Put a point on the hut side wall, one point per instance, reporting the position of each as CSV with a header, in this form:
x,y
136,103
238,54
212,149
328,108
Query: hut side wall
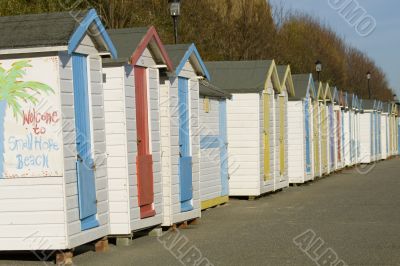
x,y
210,161
244,145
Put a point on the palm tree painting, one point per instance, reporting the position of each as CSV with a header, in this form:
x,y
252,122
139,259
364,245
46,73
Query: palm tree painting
x,y
14,91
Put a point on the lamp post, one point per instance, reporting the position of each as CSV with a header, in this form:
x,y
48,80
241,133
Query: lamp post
x,y
175,12
369,87
318,68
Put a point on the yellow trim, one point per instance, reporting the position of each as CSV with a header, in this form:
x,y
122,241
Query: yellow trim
x,y
282,134
267,166
214,202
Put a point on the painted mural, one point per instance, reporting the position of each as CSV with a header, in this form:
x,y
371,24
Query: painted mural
x,y
30,118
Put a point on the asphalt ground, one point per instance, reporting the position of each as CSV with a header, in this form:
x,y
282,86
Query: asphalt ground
x,y
347,218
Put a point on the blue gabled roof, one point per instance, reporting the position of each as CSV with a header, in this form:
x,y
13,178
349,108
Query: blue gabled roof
x,y
181,53
80,32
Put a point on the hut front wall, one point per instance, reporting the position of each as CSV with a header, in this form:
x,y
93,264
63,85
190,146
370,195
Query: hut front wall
x,y
153,84
296,145
170,147
76,236
244,144
210,159
32,201
116,143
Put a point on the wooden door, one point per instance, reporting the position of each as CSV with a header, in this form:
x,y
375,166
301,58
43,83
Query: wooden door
x,y
267,153
144,159
87,201
185,158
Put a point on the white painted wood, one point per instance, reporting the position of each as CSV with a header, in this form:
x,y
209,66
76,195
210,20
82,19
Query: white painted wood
x,y
121,145
296,142
365,139
170,147
210,157
41,213
243,140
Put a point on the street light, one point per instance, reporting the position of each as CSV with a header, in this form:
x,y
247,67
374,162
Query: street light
x,y
175,12
369,87
318,68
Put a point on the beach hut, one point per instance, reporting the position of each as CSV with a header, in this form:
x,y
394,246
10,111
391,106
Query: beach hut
x,y
378,123
253,161
131,101
352,98
394,129
214,179
386,110
337,95
53,173
358,110
180,139
324,128
317,130
367,124
300,130
346,129
330,125
281,113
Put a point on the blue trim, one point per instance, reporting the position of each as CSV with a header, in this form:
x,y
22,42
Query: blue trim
x,y
83,28
89,223
192,49
209,142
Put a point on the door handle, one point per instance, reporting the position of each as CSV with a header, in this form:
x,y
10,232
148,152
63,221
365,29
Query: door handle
x,y
138,141
79,158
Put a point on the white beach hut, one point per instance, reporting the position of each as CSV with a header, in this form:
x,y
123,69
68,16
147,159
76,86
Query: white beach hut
x,y
300,130
339,159
214,178
131,101
317,131
281,124
367,124
53,172
253,162
324,128
180,139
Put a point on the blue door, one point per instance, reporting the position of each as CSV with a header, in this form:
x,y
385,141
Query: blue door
x,y
308,141
84,163
223,148
185,158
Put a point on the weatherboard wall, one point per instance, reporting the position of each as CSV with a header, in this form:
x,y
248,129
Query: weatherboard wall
x,y
296,142
244,136
122,145
170,147
210,157
77,237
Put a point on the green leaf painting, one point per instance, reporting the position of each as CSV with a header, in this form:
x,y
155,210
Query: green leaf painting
x,y
14,91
